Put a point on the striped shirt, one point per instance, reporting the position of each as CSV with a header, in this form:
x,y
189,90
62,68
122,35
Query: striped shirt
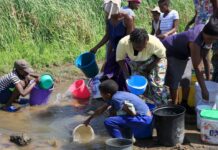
x,y
8,79
166,22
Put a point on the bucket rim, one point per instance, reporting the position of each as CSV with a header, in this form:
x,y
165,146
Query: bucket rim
x,y
76,64
169,106
112,139
138,87
38,87
73,84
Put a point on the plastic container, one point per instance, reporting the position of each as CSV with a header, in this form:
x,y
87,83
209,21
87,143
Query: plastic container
x,y
209,126
212,88
119,144
79,90
94,84
86,62
137,84
199,108
170,122
83,134
40,96
46,81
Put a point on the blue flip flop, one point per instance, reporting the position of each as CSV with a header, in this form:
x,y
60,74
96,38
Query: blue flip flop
x,y
11,109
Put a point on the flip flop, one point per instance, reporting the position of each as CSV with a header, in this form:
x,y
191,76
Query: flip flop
x,y
11,109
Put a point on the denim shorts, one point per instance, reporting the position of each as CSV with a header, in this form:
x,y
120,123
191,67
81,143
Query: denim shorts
x,y
6,94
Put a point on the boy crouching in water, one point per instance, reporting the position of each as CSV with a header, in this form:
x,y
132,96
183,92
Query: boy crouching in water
x,y
132,114
16,83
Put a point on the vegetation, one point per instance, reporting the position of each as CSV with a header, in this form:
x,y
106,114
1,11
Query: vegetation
x,y
53,32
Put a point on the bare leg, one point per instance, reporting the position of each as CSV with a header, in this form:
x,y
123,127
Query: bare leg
x,y
174,95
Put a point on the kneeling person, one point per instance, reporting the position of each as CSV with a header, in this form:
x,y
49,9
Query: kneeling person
x,y
16,83
136,117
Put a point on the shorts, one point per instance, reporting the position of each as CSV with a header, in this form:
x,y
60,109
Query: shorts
x,y
178,72
6,94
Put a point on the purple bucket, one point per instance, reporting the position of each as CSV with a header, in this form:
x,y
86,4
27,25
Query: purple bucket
x,y
39,96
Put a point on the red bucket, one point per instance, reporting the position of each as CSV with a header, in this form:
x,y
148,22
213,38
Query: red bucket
x,y
79,89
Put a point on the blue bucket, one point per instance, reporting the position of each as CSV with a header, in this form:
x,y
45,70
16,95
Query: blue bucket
x,y
86,62
137,84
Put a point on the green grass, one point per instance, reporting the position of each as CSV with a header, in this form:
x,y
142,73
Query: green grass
x,y
53,32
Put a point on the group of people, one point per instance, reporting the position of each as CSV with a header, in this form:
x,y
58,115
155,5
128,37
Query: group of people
x,y
166,58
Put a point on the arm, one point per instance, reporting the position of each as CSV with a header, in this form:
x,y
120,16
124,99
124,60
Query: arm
x,y
151,66
102,42
174,29
206,63
196,60
25,90
191,21
99,111
124,68
215,7
129,22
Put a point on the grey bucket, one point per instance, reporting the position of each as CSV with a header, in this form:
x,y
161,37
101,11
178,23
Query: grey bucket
x,y
119,144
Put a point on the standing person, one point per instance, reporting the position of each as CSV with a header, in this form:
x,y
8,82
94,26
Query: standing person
x,y
155,20
184,48
136,116
132,5
16,83
169,20
118,25
204,9
146,56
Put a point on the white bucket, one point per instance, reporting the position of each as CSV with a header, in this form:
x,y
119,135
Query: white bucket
x,y
209,131
212,88
199,108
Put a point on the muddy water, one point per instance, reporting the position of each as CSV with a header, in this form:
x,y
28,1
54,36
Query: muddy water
x,y
50,127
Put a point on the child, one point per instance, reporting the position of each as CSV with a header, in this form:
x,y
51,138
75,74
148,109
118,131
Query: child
x,y
15,83
132,5
156,20
137,114
169,20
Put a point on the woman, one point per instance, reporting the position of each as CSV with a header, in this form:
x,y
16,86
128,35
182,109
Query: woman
x,y
118,25
146,54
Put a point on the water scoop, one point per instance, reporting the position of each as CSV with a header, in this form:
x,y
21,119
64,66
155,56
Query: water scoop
x,y
83,134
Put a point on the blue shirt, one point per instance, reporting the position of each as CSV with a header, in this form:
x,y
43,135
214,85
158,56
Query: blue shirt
x,y
178,45
118,99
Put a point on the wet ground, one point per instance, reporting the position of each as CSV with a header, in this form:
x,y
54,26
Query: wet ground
x,y
50,127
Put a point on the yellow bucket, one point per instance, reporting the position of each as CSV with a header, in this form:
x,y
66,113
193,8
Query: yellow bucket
x,y
191,97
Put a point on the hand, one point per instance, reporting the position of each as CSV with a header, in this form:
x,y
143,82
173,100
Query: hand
x,y
205,95
93,50
86,122
37,80
162,36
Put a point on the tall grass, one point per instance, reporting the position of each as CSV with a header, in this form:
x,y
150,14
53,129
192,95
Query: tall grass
x,y
52,32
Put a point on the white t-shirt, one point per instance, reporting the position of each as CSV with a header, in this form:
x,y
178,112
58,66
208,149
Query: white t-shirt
x,y
166,23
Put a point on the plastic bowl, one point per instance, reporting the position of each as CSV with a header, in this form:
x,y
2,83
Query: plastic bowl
x,y
137,84
46,81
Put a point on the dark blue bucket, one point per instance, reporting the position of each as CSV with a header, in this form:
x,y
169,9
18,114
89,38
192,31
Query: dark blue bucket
x,y
86,62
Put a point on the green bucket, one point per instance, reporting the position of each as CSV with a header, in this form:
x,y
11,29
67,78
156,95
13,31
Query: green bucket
x,y
209,114
46,81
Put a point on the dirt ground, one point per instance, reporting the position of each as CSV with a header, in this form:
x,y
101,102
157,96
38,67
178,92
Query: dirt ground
x,y
68,73
192,139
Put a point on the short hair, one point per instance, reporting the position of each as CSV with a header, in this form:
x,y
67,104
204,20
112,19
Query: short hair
x,y
211,28
108,86
139,35
164,1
